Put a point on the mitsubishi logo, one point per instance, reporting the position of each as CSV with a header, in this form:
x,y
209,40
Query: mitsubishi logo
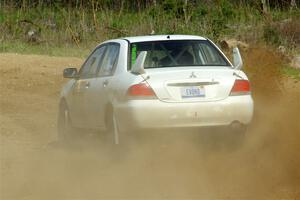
x,y
193,75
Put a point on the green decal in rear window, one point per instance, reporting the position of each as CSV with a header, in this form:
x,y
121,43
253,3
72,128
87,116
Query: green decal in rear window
x,y
133,54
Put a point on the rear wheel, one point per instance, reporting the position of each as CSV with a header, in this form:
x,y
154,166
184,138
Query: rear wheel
x,y
237,134
113,131
238,129
224,138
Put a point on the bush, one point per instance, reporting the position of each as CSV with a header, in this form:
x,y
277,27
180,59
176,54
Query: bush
x,y
271,35
289,31
285,32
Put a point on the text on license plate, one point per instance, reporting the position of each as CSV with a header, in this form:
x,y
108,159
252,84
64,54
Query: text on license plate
x,y
189,92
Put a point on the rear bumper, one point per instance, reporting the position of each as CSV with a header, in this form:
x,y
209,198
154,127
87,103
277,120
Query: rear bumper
x,y
136,114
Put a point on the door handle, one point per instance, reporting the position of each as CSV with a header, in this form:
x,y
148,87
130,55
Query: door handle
x,y
105,83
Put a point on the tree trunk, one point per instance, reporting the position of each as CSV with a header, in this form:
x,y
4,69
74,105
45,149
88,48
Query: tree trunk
x,y
264,6
154,2
293,4
185,11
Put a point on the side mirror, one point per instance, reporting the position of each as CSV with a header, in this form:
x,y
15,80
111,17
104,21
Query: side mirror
x,y
138,66
237,58
70,73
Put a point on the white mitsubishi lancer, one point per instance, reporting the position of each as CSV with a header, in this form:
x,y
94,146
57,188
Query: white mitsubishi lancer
x,y
157,81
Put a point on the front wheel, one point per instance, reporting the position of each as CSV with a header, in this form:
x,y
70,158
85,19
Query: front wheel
x,y
64,126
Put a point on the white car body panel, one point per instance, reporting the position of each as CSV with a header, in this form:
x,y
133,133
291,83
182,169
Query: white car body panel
x,y
156,114
88,106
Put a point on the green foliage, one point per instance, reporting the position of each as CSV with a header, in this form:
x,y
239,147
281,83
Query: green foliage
x,y
228,11
291,72
200,11
285,32
64,23
172,6
271,35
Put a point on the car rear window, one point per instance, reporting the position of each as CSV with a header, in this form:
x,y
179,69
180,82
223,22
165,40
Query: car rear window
x,y
177,53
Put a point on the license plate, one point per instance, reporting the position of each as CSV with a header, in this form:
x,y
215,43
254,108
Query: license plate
x,y
190,92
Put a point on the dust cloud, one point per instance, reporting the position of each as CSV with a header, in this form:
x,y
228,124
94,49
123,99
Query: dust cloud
x,y
167,164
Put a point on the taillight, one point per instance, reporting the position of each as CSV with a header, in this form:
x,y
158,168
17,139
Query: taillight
x,y
240,87
141,90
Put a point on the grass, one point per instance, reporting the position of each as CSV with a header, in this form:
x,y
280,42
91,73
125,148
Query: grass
x,y
291,72
60,26
75,32
70,50
65,27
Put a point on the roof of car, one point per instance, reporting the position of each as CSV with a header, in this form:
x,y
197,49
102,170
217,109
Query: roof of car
x,y
148,38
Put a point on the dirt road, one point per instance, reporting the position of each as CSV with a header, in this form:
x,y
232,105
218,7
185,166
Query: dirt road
x,y
175,166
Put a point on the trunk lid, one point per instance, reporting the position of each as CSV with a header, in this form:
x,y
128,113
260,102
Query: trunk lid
x,y
186,84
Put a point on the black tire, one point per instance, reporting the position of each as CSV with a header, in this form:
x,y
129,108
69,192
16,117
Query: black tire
x,y
114,134
64,126
224,138
237,136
